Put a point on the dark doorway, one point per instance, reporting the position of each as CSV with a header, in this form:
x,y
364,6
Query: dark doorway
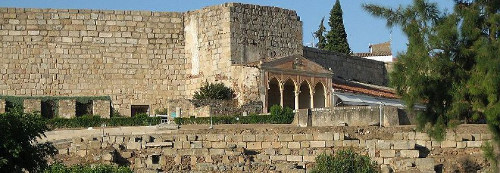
x,y
139,109
48,109
10,106
83,108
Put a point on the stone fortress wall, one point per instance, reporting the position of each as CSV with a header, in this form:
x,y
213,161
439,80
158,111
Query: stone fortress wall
x,y
136,57
348,67
278,148
139,57
148,58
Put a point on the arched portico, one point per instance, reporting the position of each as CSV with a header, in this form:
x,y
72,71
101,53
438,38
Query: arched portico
x,y
297,83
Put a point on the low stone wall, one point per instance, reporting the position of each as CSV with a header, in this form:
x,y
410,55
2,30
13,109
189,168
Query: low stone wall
x,y
354,116
32,105
67,108
280,148
205,108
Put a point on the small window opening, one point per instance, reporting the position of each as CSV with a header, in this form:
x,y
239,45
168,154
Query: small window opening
x,y
139,109
83,108
138,139
155,159
48,109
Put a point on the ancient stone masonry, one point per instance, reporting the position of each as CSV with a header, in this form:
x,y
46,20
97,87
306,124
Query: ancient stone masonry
x,y
141,57
66,108
350,67
32,105
102,108
277,149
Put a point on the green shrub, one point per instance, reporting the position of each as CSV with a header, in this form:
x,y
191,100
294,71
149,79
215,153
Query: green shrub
x,y
216,91
96,121
60,168
280,114
344,161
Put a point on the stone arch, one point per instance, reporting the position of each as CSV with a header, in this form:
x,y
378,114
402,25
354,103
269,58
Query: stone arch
x,y
273,93
289,94
319,97
305,95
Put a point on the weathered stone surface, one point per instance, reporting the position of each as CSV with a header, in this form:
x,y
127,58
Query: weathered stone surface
x,y
67,108
474,144
292,158
409,153
404,145
425,164
317,144
159,144
293,144
32,105
387,153
323,137
102,108
382,144
448,144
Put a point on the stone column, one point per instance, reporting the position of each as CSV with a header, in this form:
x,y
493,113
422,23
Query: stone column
x,y
67,108
297,100
2,106
32,105
281,96
102,108
312,98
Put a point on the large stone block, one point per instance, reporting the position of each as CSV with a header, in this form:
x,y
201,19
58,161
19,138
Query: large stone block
x,y
32,105
293,144
285,137
410,153
254,145
425,164
317,144
404,145
387,153
67,108
323,136
448,144
101,108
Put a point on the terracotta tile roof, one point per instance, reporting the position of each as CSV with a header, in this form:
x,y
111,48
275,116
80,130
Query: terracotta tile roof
x,y
359,88
380,49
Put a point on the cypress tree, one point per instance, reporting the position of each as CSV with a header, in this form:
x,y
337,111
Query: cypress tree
x,y
337,37
320,35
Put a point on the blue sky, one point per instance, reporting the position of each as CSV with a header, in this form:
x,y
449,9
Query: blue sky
x,y
362,28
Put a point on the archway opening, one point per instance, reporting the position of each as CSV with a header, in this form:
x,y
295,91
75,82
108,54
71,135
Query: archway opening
x,y
319,95
304,96
273,93
288,94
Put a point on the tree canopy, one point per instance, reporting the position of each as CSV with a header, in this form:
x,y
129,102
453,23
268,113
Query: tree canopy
x,y
452,62
19,150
